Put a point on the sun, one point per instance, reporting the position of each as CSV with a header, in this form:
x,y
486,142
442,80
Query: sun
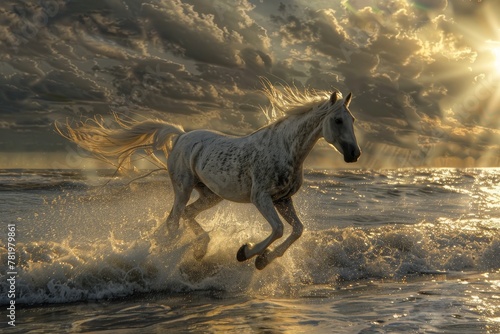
x,y
494,48
496,53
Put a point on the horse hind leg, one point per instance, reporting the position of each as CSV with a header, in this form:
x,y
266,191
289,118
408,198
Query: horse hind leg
x,y
182,193
207,200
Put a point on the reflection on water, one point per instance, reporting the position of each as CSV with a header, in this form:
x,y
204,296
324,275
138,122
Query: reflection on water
x,y
490,201
458,303
485,299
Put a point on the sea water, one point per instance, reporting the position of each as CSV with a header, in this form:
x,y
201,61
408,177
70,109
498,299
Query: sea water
x,y
393,251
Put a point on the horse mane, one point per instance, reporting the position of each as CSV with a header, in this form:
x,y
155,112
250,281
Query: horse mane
x,y
289,100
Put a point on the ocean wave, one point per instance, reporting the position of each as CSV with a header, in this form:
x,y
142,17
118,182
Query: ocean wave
x,y
50,180
70,271
43,186
451,226
39,179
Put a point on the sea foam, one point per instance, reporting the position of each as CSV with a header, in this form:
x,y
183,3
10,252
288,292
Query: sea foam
x,y
50,272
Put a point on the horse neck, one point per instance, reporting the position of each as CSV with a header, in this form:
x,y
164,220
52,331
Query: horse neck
x,y
301,132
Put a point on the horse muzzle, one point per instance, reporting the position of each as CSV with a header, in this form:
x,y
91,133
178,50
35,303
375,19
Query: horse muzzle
x,y
351,153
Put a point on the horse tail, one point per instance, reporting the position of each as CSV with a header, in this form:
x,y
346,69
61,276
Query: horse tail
x,y
123,138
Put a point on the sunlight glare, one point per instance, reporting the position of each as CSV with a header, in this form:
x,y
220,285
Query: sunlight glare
x,y
496,53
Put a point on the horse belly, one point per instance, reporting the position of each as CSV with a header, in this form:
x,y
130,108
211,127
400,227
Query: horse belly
x,y
227,186
228,180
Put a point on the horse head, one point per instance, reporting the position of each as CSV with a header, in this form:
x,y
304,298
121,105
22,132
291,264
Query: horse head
x,y
338,128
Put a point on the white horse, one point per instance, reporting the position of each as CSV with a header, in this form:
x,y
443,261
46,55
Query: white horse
x,y
264,168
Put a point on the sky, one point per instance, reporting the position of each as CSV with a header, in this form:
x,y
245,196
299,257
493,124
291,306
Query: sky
x,y
423,73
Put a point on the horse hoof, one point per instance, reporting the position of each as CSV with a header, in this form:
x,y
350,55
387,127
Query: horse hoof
x,y
241,255
159,233
199,254
200,251
262,260
201,247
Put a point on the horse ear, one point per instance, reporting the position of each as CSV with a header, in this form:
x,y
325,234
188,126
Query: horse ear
x,y
348,100
333,98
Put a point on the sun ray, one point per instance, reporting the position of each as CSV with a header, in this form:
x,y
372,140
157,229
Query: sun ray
x,y
496,53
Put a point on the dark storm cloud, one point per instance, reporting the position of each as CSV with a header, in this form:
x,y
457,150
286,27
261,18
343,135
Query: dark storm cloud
x,y
234,16
256,60
187,32
65,86
15,94
199,62
220,33
319,29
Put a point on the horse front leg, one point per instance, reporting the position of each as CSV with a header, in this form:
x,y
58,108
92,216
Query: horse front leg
x,y
287,211
265,205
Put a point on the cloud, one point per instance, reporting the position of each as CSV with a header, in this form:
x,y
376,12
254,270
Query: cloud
x,y
15,95
189,32
256,60
318,29
220,34
413,66
66,86
234,15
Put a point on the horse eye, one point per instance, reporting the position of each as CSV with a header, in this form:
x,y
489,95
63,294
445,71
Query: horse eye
x,y
338,121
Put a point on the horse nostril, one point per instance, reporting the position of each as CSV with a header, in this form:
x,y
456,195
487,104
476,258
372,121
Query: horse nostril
x,y
355,153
